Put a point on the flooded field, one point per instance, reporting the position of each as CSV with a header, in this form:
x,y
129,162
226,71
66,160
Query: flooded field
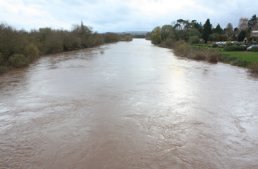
x,y
128,105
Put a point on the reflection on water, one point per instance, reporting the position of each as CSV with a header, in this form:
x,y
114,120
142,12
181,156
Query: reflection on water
x,y
128,105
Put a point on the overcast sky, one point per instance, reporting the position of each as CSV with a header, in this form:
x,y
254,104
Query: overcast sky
x,y
121,15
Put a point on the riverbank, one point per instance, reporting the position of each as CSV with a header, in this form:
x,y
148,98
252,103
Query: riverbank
x,y
23,63
240,58
19,48
246,59
183,49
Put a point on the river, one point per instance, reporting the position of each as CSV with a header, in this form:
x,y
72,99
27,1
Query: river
x,y
128,105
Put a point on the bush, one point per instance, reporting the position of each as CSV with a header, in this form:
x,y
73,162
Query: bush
x,y
31,51
199,55
235,47
194,40
111,37
214,45
185,50
212,56
254,68
182,49
71,43
3,69
1,59
53,44
156,36
126,38
168,43
18,60
233,60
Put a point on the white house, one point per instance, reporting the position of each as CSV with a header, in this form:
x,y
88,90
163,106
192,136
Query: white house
x,y
254,34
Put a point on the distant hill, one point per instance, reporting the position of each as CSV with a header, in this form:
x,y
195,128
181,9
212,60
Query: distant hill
x,y
134,33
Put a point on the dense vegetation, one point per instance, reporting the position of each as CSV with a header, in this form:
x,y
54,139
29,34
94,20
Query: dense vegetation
x,y
195,40
18,48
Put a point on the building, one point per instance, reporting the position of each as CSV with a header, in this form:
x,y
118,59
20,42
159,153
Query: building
x,y
243,24
254,34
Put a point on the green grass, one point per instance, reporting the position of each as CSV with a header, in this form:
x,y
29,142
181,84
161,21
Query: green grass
x,y
201,46
246,59
240,58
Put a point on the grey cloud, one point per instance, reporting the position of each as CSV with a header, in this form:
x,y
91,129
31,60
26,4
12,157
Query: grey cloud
x,y
119,15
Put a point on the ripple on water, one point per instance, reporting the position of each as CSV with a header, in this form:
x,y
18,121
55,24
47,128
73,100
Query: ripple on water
x,y
128,105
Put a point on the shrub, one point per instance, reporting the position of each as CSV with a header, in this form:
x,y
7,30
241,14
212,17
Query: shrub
x,y
199,55
233,60
71,43
126,38
254,68
168,43
194,39
185,50
182,49
18,60
53,44
235,47
31,51
214,45
212,56
1,59
111,37
156,36
3,69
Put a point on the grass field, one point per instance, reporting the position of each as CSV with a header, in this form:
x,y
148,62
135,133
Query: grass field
x,y
241,58
238,58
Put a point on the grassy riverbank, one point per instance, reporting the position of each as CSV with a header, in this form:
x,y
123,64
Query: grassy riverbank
x,y
184,49
19,48
241,58
206,52
194,40
247,59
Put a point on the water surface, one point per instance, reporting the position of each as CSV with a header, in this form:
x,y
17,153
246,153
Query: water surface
x,y
128,105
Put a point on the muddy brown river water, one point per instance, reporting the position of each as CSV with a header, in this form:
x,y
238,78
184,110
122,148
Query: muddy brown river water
x,y
128,105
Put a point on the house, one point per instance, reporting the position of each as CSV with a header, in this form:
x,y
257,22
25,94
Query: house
x,y
254,35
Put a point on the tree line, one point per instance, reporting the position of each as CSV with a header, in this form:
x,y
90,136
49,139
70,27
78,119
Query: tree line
x,y
18,48
196,32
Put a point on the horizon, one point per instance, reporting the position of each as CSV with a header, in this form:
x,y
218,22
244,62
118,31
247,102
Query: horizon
x,y
119,16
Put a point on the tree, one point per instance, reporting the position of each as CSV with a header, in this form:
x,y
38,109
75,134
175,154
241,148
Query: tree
x,y
193,35
19,48
167,31
197,26
155,35
84,33
180,24
236,32
207,30
218,29
1,59
241,36
31,51
252,23
229,31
